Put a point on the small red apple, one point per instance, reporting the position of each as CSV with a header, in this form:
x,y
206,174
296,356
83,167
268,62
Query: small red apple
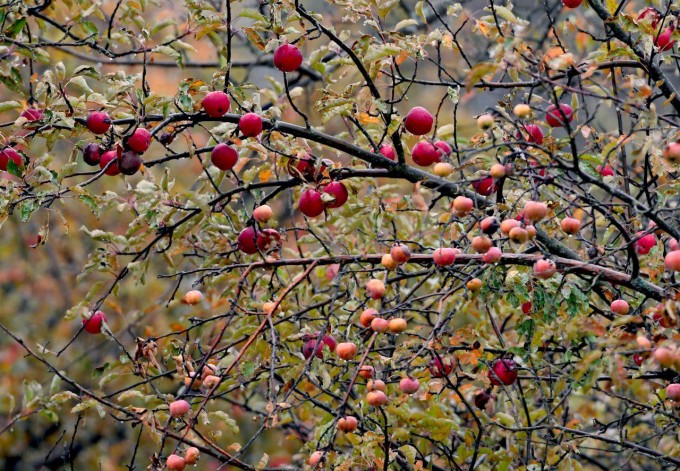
x,y
555,116
346,350
287,58
493,255
179,408
224,157
400,253
444,257
98,122
250,124
418,121
104,160
503,371
672,261
216,104
409,385
544,268
93,325
311,204
338,191
247,240
620,306
139,141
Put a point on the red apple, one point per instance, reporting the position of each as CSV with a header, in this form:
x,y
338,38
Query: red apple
x,y
409,385
570,225
338,191
620,306
418,121
250,124
93,325
672,261
503,371
485,186
247,240
139,141
9,153
544,268
311,204
179,408
224,156
287,58
493,255
644,243
216,104
555,116
424,153
98,122
400,253
444,257
346,350
104,160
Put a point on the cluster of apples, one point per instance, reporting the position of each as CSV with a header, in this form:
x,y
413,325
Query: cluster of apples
x,y
663,36
253,239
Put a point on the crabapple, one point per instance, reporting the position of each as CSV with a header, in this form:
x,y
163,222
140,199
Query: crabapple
x,y
672,261
493,255
485,121
346,350
130,162
439,369
315,458
444,257
400,253
482,398
503,371
223,156
481,244
518,235
463,205
375,289
443,147
418,121
605,171
247,240
179,408
533,134
250,124
338,191
191,455
210,381
522,111
348,424
216,104
367,317
175,463
570,225
287,58
193,297
526,307
397,325
485,186
620,306
388,151
489,225
544,268
139,141
535,211
91,154
474,284
110,156
664,357
555,116
673,392
644,243
663,41
388,262
375,385
409,385
311,204
98,122
442,169
263,213
380,325
93,325
424,153
268,239
367,372
32,114
497,171
671,152
376,398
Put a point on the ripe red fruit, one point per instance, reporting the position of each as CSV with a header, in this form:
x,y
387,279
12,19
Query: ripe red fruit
x,y
571,3
503,371
224,156
130,162
380,325
250,124
638,358
605,171
620,306
672,261
311,204
263,213
376,398
489,225
570,225
462,205
493,255
400,253
388,151
8,153
104,160
375,289
367,317
532,134
671,152
485,186
673,244
663,41
32,114
535,211
93,325
348,424
315,458
339,191
544,268
268,239
673,392
397,325
91,154
375,385
247,240
409,385
554,117
330,342
526,307
444,148
481,244
664,357
287,58
444,257
179,408
216,104
424,153
166,138
346,350
139,141
439,369
191,455
367,372
313,347
644,243
306,167
98,122
175,463
418,121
